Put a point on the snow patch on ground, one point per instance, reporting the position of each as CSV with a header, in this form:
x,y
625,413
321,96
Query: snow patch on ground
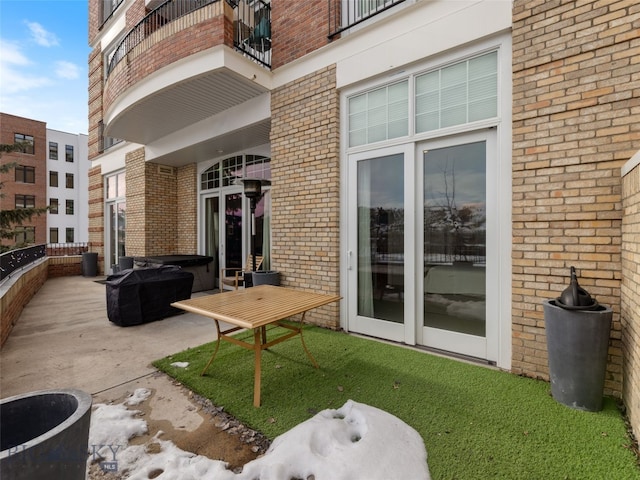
x,y
356,441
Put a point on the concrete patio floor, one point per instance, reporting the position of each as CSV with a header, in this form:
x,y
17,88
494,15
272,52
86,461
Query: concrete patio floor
x,y
64,339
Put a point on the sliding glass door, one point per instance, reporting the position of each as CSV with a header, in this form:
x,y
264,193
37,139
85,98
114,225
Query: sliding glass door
x,y
421,250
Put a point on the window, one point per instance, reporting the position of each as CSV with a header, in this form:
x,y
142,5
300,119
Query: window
x,y
116,186
69,238
53,235
68,153
69,209
69,180
210,178
26,141
461,93
25,201
53,151
380,114
53,205
25,235
25,174
53,179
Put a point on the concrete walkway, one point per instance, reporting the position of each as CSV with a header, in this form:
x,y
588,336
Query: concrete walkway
x,y
63,339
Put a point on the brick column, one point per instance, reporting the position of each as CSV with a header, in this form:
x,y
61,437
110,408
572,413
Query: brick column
x,y
305,171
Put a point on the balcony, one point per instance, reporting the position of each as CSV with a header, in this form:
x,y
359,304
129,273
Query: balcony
x,y
345,14
184,67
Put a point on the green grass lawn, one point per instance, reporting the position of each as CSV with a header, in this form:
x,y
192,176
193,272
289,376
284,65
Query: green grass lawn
x,y
476,422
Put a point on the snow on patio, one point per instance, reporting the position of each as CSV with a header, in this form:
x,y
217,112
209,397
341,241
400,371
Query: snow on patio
x,y
356,441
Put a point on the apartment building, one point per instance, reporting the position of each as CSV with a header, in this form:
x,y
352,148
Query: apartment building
x,y
438,164
67,187
51,171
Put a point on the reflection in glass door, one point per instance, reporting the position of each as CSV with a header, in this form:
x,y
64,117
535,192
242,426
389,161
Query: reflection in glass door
x,y
379,277
454,254
116,232
212,231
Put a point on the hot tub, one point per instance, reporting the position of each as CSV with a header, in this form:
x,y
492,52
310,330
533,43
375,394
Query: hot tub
x,y
201,266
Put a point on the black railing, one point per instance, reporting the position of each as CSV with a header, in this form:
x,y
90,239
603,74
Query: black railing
x,y
16,259
108,9
159,17
252,30
104,142
66,249
344,14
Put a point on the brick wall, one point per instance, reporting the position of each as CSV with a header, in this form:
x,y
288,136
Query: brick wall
x,y
187,209
152,211
18,295
96,82
576,118
96,215
305,171
66,266
630,308
294,36
9,126
193,33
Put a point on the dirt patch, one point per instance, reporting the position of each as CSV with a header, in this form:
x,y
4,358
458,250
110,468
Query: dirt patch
x,y
218,437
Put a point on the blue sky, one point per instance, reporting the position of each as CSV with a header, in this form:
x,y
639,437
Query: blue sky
x,y
43,62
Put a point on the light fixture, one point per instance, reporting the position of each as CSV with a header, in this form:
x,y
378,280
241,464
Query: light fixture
x,y
253,190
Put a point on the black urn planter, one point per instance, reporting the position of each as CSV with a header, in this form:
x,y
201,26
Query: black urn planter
x,y
44,435
577,346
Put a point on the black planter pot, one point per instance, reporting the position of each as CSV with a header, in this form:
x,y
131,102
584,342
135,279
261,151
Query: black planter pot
x,y
45,435
577,345
266,277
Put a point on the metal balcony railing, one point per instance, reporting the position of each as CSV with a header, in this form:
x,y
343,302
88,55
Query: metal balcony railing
x,y
344,14
252,29
166,13
20,257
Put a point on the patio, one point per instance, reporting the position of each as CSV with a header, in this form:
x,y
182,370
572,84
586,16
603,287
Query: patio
x,y
63,339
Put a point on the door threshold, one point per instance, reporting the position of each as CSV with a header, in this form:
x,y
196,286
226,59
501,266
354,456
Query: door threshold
x,y
434,351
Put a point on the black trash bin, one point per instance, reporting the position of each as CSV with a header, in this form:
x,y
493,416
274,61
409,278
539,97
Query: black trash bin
x,y
89,264
578,331
145,295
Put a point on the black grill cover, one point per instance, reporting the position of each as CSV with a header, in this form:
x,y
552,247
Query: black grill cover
x,y
144,295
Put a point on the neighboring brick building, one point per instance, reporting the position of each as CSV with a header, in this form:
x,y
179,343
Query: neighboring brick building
x,y
440,173
51,172
25,185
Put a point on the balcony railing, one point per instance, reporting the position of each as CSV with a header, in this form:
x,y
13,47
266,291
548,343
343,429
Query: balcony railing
x,y
252,29
166,13
17,259
344,14
105,143
20,257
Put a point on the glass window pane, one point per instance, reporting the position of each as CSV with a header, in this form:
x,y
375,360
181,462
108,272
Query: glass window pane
x,y
455,238
381,238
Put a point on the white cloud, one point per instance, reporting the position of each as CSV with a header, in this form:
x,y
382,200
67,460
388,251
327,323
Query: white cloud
x,y
12,79
41,36
11,54
67,70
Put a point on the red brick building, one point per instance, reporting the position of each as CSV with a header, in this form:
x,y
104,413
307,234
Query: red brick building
x,y
25,185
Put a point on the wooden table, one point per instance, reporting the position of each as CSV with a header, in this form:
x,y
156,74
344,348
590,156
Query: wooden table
x,y
254,308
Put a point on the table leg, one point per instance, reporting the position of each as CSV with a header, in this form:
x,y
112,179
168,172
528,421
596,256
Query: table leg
x,y
257,348
304,345
216,349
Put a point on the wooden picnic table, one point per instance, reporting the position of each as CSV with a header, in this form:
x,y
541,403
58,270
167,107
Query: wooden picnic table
x,y
254,309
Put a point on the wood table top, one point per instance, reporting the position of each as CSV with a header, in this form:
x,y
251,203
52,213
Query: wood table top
x,y
256,306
